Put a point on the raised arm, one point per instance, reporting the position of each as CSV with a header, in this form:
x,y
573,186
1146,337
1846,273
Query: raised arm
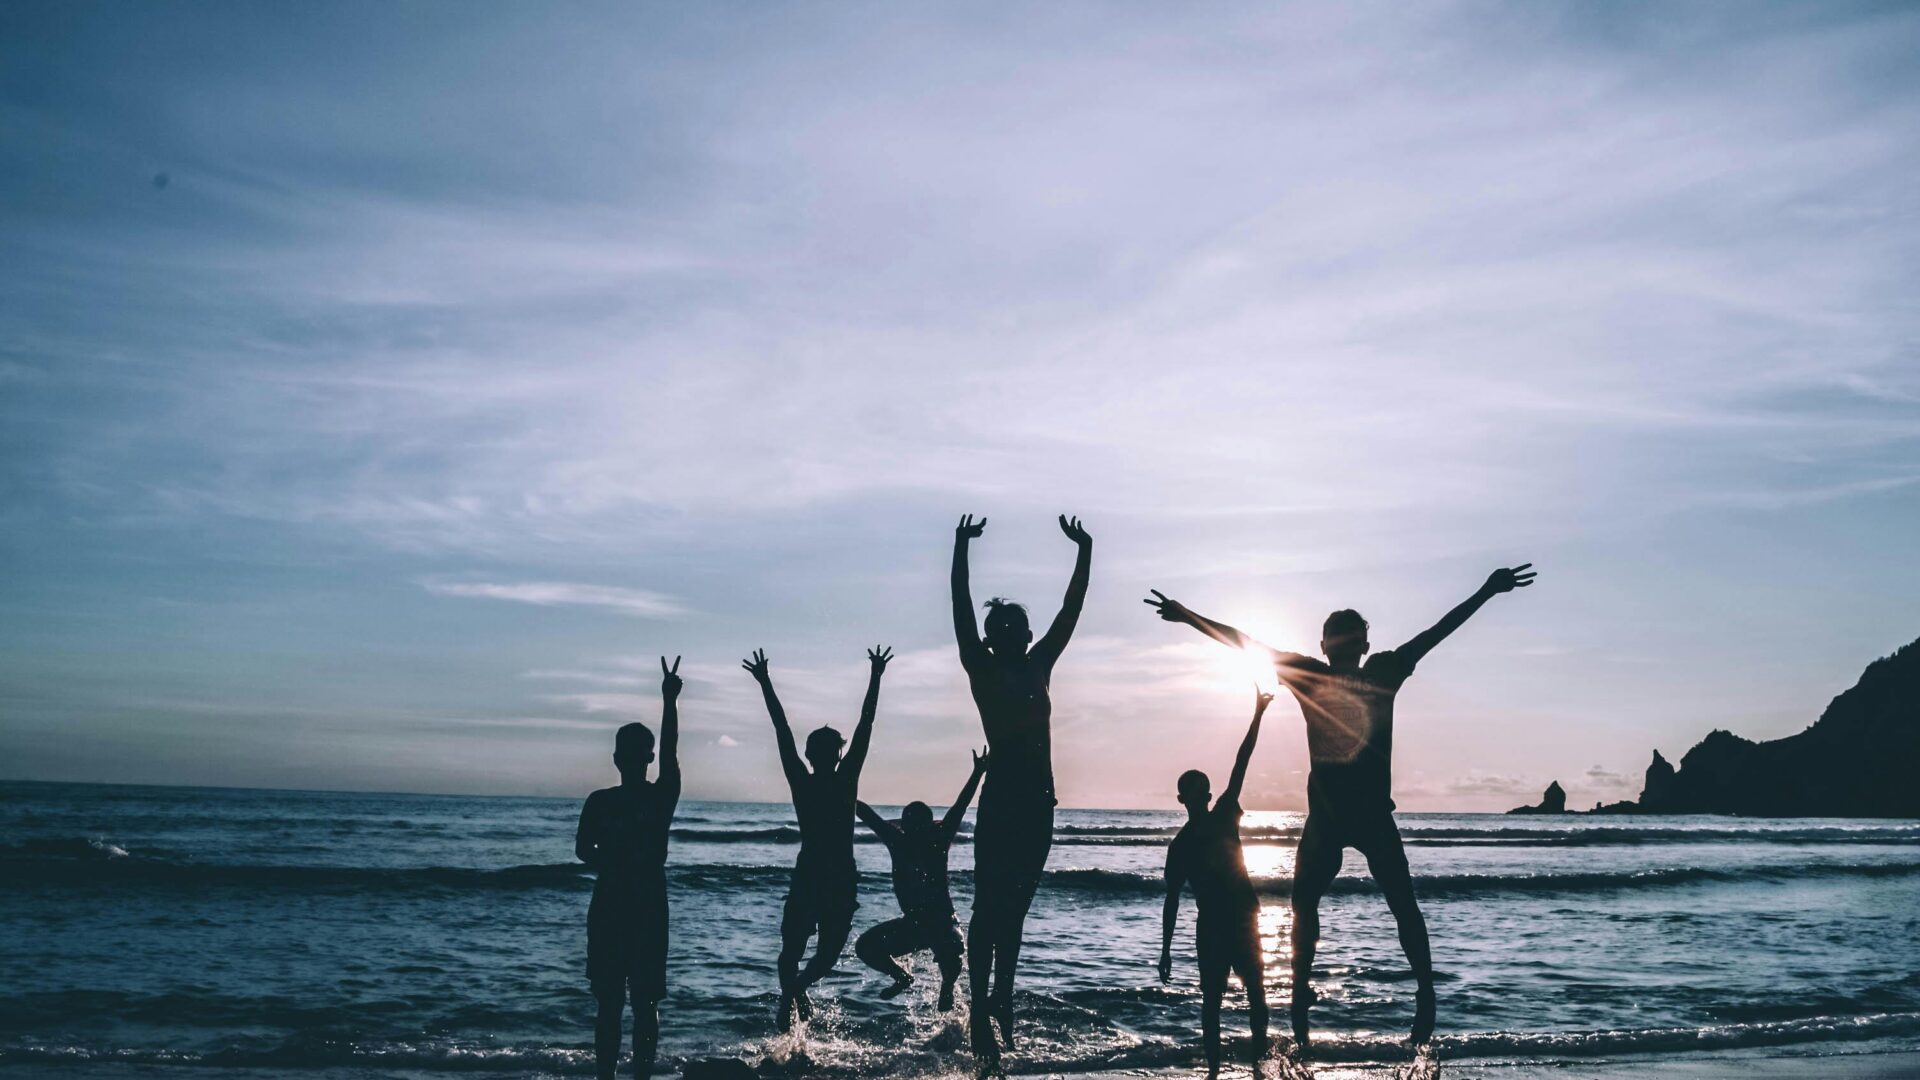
x,y
790,762
1170,911
856,757
965,630
1057,636
950,825
1175,612
1500,581
1261,700
670,684
886,830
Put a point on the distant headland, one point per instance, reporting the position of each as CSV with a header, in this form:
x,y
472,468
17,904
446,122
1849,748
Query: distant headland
x,y
1860,759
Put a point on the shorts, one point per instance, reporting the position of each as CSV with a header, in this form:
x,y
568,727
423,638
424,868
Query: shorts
x,y
818,907
1229,944
627,942
1010,848
1324,840
937,933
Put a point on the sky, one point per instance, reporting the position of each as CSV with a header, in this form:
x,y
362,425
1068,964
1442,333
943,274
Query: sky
x,y
383,388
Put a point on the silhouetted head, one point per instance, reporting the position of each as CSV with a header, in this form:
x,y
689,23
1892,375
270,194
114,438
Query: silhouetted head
x,y
823,749
916,819
1007,631
1344,637
1195,790
632,749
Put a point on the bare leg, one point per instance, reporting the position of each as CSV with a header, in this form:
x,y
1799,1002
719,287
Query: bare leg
x,y
875,949
646,1037
1210,1027
612,999
793,943
948,957
1389,867
1316,863
1255,981
982,932
826,950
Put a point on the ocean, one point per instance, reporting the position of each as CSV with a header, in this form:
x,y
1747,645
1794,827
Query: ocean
x,y
333,933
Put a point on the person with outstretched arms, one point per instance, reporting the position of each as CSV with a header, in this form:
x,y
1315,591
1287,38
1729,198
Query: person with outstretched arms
x,y
1347,702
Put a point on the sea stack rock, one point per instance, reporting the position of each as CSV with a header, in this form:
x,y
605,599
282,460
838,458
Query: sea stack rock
x,y
1552,801
1657,794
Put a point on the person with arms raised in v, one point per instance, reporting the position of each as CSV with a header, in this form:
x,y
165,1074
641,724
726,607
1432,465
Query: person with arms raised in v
x,y
1347,702
919,849
1206,854
822,895
623,838
1013,831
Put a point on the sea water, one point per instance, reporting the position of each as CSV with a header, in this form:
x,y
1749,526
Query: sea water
x,y
331,932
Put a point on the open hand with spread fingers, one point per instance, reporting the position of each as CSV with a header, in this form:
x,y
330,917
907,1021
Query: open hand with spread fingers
x,y
757,666
969,529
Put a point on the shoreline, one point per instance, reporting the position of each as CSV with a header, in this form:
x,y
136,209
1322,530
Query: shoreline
x,y
1887,1064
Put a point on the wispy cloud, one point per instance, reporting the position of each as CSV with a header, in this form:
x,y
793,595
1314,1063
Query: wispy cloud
x,y
640,602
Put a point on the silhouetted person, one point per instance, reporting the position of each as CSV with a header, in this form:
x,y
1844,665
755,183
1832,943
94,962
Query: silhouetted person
x,y
1348,705
919,848
1014,829
623,838
822,894
1226,935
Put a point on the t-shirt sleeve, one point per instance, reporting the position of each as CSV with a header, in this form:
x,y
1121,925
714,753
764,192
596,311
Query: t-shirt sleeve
x,y
1391,667
1290,666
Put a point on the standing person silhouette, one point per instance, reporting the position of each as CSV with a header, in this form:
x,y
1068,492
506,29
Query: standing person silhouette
x,y
919,850
822,894
1348,706
623,837
1014,830
1226,934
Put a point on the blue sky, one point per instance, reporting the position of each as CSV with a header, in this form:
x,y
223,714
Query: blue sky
x,y
382,388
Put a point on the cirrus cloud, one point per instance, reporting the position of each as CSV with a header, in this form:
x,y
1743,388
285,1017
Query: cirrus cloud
x,y
643,603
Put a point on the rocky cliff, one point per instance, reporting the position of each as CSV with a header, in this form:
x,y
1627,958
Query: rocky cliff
x,y
1860,759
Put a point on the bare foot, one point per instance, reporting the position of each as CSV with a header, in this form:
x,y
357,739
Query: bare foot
x,y
1303,999
1423,1018
900,986
1003,1015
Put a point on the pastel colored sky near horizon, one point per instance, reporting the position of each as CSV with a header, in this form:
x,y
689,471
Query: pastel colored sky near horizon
x,y
383,388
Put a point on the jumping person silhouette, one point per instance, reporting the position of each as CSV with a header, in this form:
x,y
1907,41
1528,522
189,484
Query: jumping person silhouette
x,y
919,849
1013,831
1226,935
623,838
1348,707
822,894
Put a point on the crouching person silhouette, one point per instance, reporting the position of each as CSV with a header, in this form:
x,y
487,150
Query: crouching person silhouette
x,y
623,838
1206,854
919,848
822,896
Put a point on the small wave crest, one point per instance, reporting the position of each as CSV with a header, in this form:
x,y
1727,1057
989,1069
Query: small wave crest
x,y
1054,1051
